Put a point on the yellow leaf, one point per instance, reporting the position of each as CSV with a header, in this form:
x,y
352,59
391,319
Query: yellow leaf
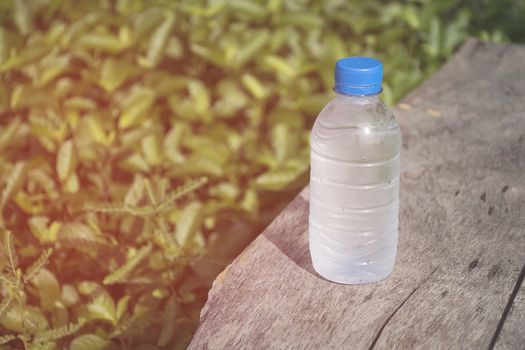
x,y
114,73
276,180
280,66
29,204
122,306
254,86
69,295
151,149
189,221
14,182
72,184
40,229
135,162
7,134
159,40
96,131
200,96
66,160
136,108
136,192
16,96
172,143
250,201
102,42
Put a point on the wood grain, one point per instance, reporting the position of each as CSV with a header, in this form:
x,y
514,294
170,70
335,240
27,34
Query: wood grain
x,y
458,280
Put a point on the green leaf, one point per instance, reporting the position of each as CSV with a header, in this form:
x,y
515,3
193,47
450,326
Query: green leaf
x,y
122,306
89,342
119,275
10,252
101,42
168,322
46,345
305,19
58,333
29,55
144,22
23,16
226,191
24,320
53,69
5,45
48,288
250,8
103,308
4,339
88,287
69,295
189,186
80,235
37,265
6,305
105,208
411,17
252,47
211,54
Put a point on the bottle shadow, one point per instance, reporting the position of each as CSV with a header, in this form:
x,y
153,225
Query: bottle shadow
x,y
289,233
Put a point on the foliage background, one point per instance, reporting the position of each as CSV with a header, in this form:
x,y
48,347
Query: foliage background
x,y
143,144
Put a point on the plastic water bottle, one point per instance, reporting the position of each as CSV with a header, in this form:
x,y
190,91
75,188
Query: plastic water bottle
x,y
354,179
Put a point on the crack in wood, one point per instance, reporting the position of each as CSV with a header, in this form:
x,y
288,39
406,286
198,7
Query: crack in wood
x,y
398,308
506,311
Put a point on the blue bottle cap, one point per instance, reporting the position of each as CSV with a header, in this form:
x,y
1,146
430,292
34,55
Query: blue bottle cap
x,y
358,75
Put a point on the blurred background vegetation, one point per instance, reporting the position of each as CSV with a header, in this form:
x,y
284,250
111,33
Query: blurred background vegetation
x,y
144,143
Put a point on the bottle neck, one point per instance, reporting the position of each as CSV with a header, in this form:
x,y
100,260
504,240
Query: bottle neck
x,y
358,99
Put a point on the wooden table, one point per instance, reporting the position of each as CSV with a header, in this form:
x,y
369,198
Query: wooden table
x,y
458,280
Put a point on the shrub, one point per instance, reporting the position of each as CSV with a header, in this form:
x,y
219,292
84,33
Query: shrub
x,y
144,143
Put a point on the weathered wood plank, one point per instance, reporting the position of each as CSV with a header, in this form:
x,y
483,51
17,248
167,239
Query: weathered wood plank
x,y
461,243
512,334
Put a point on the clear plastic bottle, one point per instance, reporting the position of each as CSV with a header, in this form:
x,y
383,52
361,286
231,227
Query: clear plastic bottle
x,y
354,179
